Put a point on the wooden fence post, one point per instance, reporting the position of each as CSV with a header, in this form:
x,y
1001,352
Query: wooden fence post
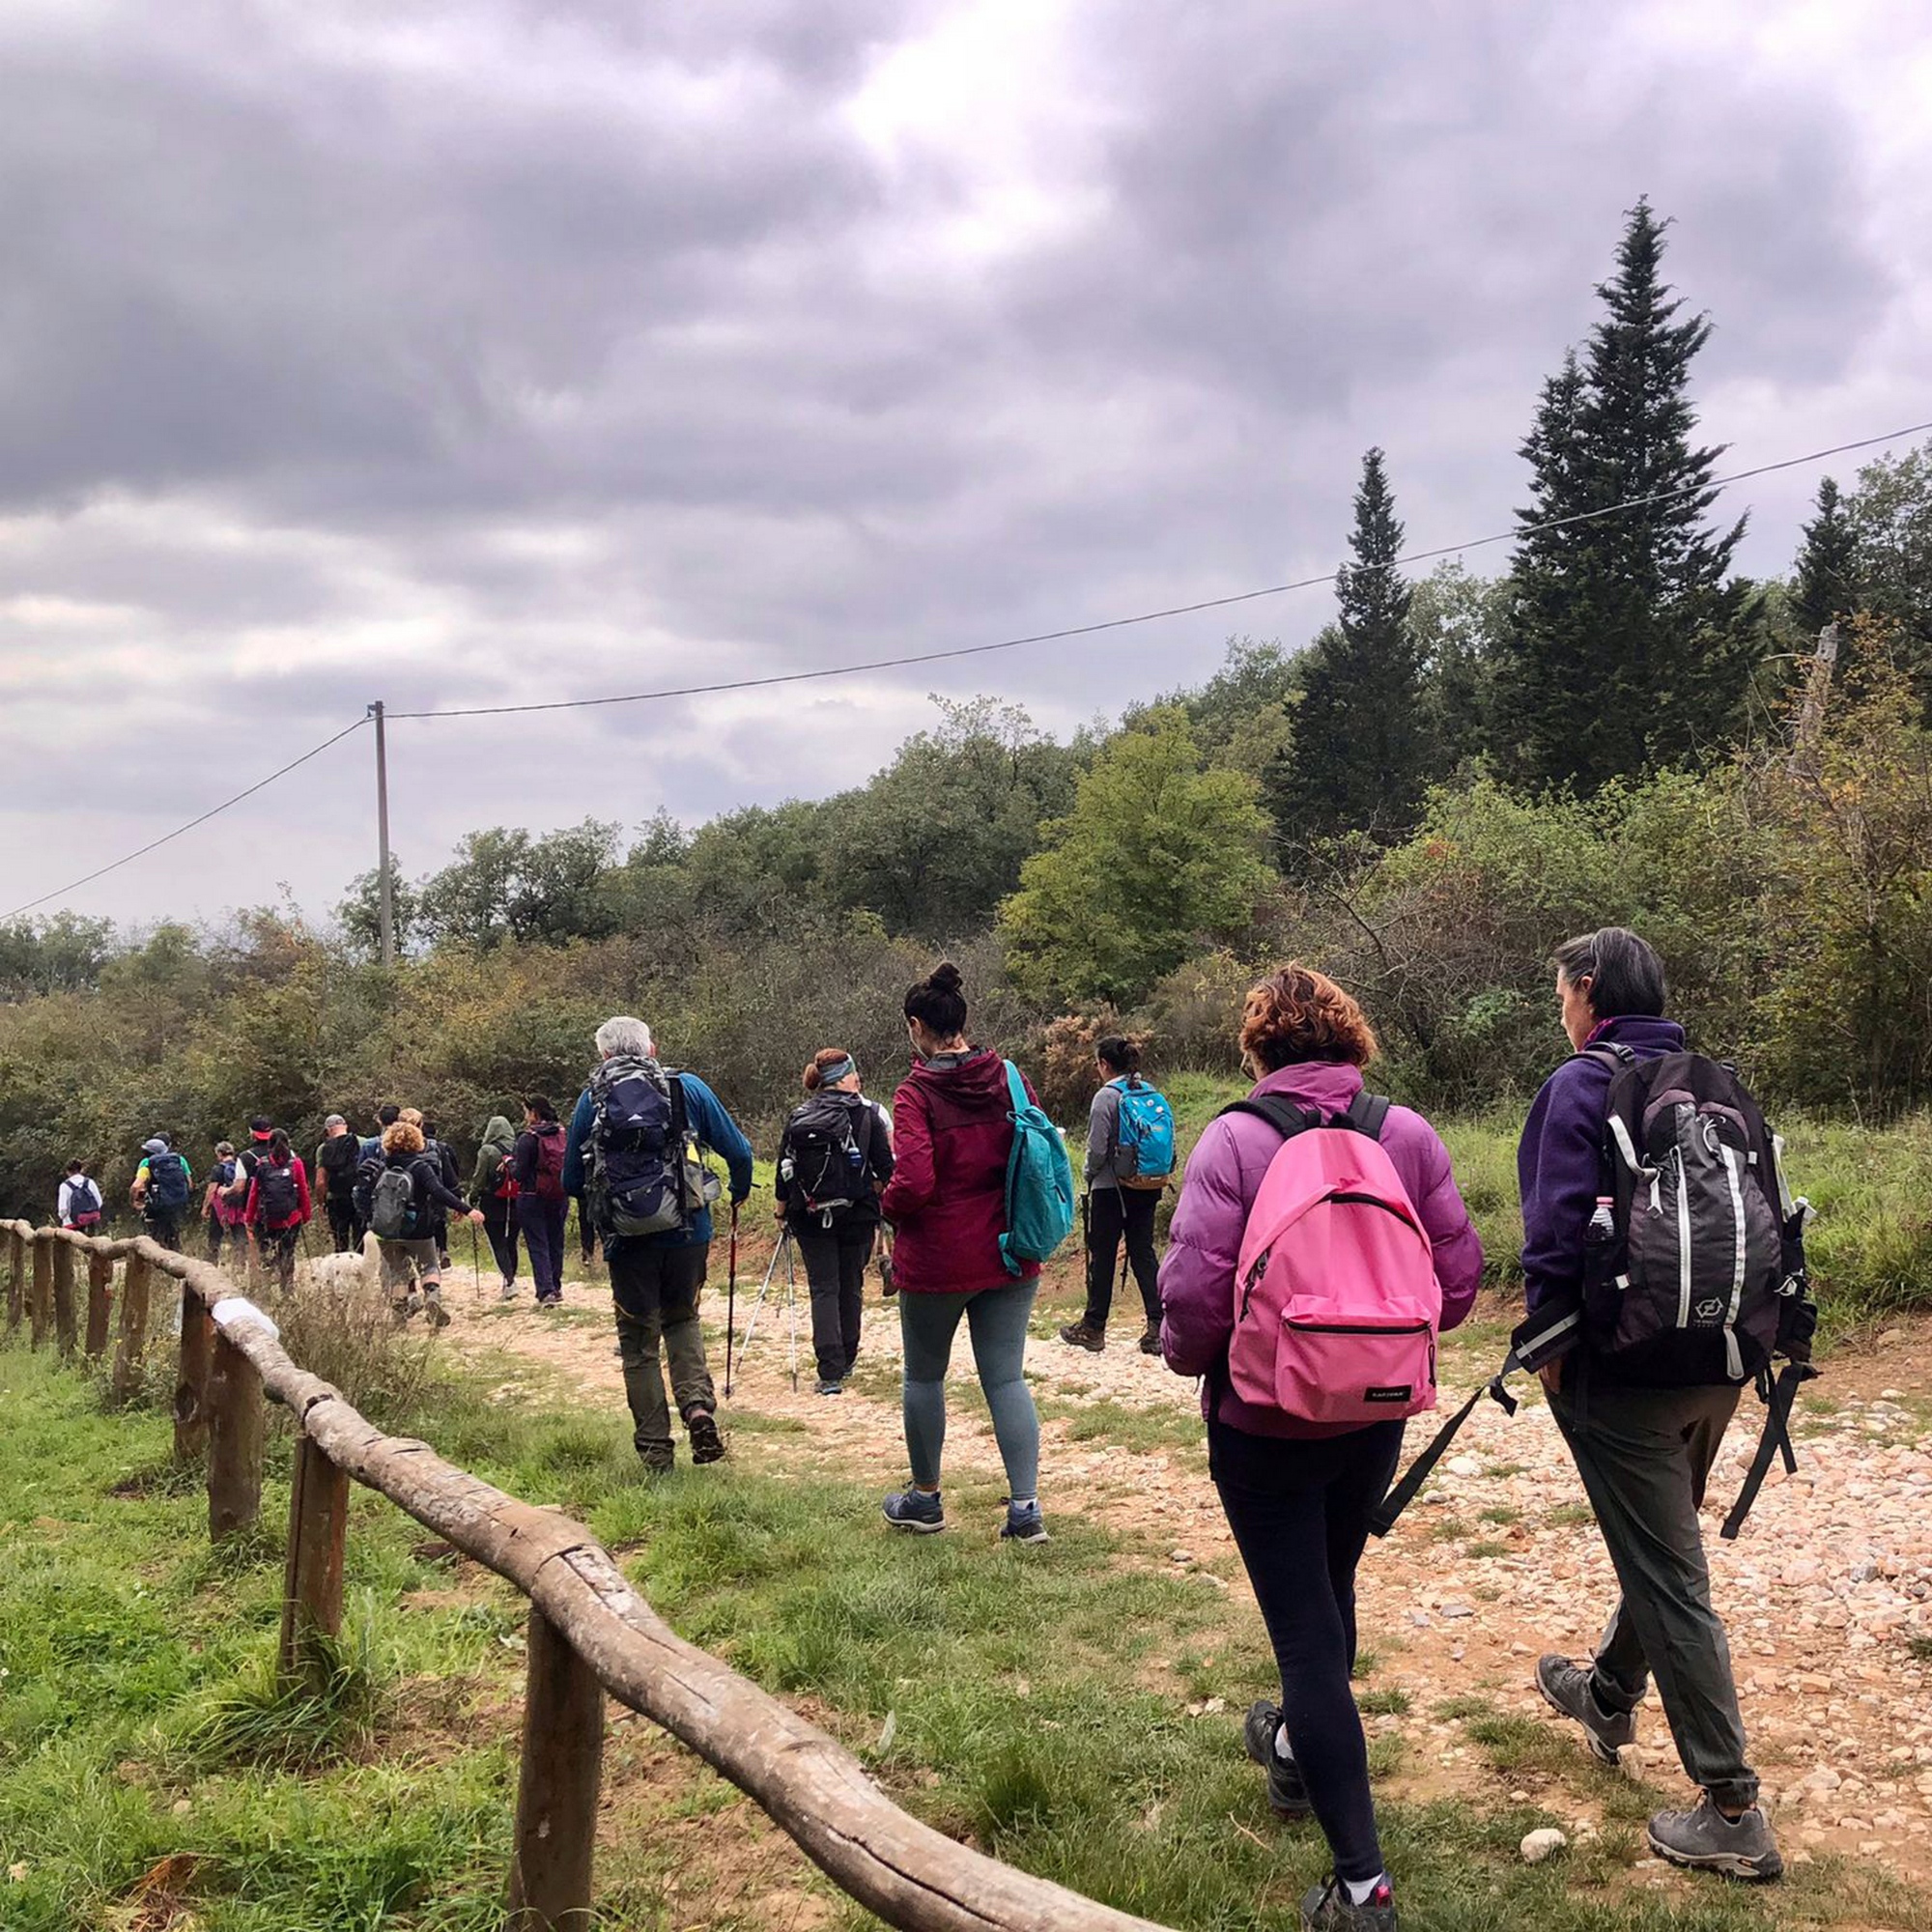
x,y
556,1786
237,1423
312,1580
64,1322
100,1303
41,1295
197,1352
17,1281
131,1353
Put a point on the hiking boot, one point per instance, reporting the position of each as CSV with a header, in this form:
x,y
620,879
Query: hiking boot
x,y
549,1301
1328,1908
827,1386
436,1314
1287,1795
1706,1840
1081,1335
658,1462
1024,1524
1150,1342
915,1509
707,1444
1569,1688
508,1292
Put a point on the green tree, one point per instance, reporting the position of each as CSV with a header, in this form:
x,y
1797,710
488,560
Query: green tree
x,y
1243,714
1824,586
506,885
1357,764
61,954
359,913
1455,618
1890,513
1158,856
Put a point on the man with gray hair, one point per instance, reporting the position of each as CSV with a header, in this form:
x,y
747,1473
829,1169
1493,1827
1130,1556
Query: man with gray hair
x,y
633,1162
336,1161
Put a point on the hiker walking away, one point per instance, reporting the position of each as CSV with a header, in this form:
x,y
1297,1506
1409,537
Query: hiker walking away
x,y
78,1205
444,1157
834,1155
1129,1161
220,1208
1629,1119
386,1117
953,1137
1311,1324
260,1131
336,1159
492,1188
162,1189
393,1194
634,1166
279,1208
536,1165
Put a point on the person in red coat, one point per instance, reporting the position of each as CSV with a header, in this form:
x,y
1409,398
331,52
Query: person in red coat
x,y
279,1206
953,1132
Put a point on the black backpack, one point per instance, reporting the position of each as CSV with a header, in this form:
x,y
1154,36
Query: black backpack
x,y
634,1178
167,1182
339,1159
828,1145
279,1201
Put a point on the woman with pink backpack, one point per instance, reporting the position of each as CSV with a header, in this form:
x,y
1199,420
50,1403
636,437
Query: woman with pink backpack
x,y
1319,1247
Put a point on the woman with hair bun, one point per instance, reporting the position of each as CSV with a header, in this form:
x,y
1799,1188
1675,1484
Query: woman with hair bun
x,y
834,1155
1297,1493
953,1132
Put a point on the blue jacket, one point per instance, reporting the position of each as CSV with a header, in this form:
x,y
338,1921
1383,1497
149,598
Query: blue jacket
x,y
713,1128
1559,1163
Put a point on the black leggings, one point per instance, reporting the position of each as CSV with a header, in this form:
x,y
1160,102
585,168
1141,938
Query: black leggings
x,y
1111,1213
1299,1510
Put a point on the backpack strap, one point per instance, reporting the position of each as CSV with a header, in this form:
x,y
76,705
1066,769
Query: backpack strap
x,y
1282,1116
1610,1053
1367,1112
1779,1397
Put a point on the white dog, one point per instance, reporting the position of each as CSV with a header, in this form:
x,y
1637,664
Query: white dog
x,y
345,1271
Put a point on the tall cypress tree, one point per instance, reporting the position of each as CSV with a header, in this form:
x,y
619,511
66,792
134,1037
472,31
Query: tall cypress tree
x,y
1824,581
1628,646
1356,764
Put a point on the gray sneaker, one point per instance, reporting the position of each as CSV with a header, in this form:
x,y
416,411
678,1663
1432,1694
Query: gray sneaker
x,y
1567,1688
1706,1840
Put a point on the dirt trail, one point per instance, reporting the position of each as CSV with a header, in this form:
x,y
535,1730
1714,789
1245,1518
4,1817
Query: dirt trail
x,y
1828,1595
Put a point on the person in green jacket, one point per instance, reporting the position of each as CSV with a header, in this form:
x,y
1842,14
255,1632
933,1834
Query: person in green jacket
x,y
491,1189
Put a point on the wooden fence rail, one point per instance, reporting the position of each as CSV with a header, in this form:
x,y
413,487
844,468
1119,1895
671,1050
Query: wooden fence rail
x,y
591,1634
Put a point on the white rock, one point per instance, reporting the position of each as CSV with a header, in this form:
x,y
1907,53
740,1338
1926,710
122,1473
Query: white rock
x,y
1543,1844
1463,1466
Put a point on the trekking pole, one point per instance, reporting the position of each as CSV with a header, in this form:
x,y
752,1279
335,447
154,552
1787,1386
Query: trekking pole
x,y
475,1264
791,1302
771,1268
732,1298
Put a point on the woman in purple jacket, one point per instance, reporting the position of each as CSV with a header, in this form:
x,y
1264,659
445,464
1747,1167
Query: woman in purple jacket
x,y
1297,1494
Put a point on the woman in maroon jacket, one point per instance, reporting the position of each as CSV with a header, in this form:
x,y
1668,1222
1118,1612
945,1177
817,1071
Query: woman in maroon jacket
x,y
952,1131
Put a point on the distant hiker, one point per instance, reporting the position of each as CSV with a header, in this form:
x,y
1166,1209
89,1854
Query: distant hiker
x,y
1129,1161
952,1142
162,1189
492,1188
536,1166
336,1159
834,1155
386,1117
444,1157
393,1193
260,1131
1297,1372
279,1208
80,1204
1694,1304
222,1208
634,1165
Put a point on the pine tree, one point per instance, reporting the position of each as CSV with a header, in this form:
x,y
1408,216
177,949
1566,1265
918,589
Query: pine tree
x,y
1631,650
1823,586
1358,751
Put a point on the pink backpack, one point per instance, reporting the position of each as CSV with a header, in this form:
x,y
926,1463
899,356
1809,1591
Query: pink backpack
x,y
1336,1300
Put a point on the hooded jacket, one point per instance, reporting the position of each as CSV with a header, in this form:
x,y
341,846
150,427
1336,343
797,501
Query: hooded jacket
x,y
1224,1176
953,1132
500,1139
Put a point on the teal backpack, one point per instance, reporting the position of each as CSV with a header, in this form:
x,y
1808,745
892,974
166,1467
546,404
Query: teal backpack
x,y
1147,1132
1040,1182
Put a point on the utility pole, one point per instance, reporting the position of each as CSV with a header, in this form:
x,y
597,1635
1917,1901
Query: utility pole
x,y
384,883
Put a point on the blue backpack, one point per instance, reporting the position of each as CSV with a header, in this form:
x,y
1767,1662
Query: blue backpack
x,y
1147,1133
1040,1182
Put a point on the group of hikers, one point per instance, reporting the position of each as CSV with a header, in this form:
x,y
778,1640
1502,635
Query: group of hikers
x,y
1317,1248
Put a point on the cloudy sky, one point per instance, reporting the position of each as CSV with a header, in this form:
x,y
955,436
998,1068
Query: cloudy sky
x,y
485,352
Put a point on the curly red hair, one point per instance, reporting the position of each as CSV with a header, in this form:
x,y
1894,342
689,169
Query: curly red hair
x,y
1297,1013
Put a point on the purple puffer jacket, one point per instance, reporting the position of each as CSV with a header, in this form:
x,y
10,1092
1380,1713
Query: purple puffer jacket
x,y
1224,1175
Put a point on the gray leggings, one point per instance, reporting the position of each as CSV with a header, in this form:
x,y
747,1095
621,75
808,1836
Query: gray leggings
x,y
996,1319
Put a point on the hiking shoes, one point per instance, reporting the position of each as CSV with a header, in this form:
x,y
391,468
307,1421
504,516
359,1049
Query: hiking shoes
x,y
658,1462
435,1312
1567,1689
1287,1795
1328,1908
707,1444
508,1291
1024,1524
915,1509
828,1387
1080,1335
1150,1342
1706,1840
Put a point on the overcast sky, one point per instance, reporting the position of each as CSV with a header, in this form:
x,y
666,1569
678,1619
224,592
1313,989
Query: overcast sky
x,y
488,352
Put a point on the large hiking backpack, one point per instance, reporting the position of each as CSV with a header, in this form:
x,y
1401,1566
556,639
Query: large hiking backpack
x,y
635,1174
547,1177
167,1182
1146,1134
1336,1300
393,1203
83,1202
338,1160
278,1200
1040,1182
828,1145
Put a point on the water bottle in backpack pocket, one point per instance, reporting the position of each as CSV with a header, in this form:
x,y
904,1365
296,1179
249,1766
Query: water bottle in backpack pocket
x,y
826,1168
1336,1300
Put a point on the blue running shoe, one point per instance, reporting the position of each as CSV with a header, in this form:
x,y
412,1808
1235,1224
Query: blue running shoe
x,y
1023,1524
917,1510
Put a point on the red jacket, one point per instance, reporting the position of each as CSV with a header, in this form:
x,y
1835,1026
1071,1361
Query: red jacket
x,y
252,1213
953,1132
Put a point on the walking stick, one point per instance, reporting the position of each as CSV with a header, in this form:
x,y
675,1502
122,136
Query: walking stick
x,y
771,1268
732,1298
475,1263
791,1300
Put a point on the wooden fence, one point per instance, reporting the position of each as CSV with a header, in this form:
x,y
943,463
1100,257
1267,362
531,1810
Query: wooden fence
x,y
589,1632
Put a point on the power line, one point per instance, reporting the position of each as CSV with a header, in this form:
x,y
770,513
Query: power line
x,y
213,811
1155,616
